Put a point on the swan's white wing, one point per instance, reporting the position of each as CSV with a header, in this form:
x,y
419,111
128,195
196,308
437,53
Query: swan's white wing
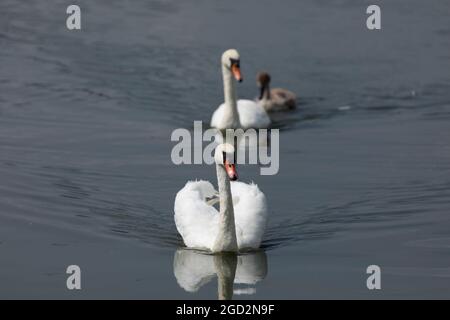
x,y
196,221
252,114
217,116
192,269
250,210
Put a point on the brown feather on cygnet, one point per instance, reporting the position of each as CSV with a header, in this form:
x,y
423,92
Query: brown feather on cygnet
x,y
276,99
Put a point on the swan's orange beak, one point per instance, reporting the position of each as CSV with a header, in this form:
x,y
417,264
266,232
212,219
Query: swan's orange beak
x,y
230,168
236,72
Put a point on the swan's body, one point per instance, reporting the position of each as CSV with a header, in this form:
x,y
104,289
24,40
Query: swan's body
x,y
233,113
241,220
251,115
280,100
198,222
276,99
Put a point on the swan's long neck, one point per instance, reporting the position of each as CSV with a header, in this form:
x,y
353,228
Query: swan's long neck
x,y
230,115
226,237
265,92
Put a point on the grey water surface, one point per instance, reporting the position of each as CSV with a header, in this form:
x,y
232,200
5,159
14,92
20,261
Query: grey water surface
x,y
86,176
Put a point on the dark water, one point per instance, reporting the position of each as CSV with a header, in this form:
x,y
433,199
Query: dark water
x,y
85,123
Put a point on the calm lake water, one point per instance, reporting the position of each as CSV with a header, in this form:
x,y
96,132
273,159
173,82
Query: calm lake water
x,y
86,176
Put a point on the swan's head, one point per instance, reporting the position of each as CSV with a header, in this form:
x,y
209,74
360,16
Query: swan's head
x,y
231,61
225,156
263,81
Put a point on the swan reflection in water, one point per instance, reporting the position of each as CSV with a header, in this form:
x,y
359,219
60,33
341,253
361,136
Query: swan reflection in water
x,y
193,269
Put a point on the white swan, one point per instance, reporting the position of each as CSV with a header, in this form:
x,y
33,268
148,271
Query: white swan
x,y
241,220
233,113
276,99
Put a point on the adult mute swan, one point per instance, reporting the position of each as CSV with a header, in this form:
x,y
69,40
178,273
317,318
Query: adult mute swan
x,y
276,99
240,222
233,113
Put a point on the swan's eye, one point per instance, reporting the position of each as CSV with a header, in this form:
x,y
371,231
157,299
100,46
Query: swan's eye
x,y
234,62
